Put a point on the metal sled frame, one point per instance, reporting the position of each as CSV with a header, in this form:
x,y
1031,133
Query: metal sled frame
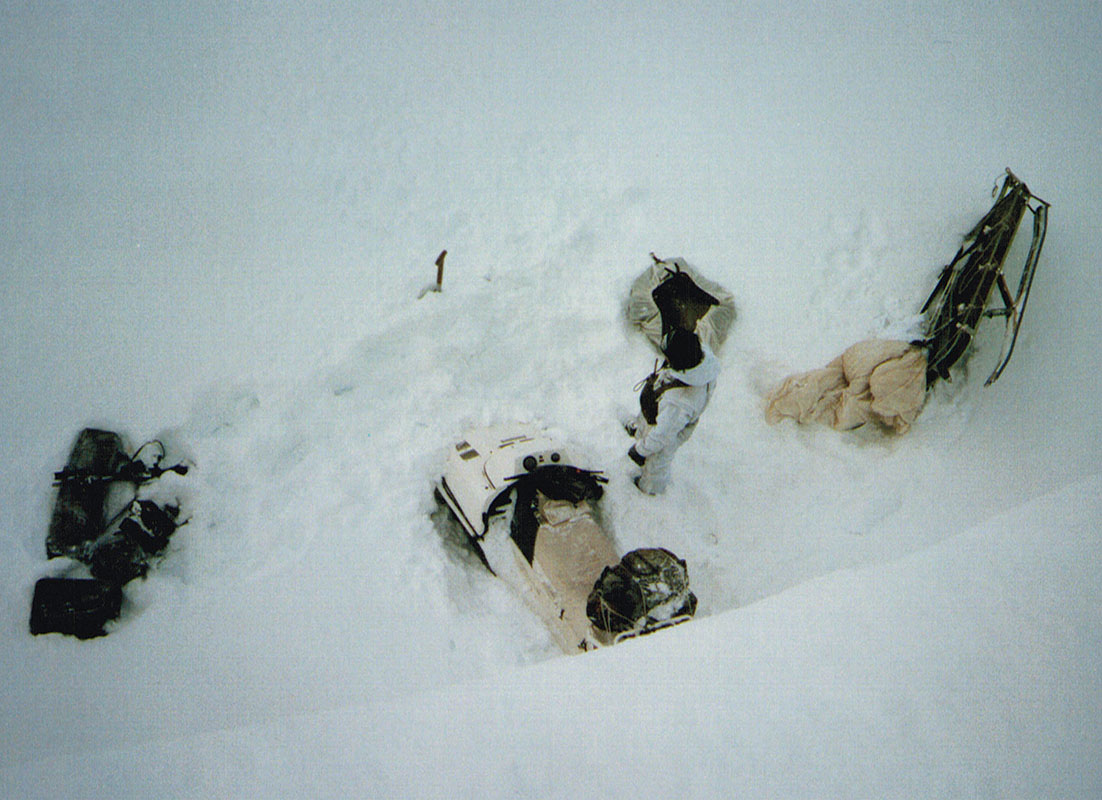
x,y
669,623
959,300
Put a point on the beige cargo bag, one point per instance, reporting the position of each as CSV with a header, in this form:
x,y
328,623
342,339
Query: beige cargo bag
x,y
708,307
878,380
571,551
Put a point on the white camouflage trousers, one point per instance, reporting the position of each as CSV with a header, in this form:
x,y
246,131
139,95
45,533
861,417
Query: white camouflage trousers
x,y
656,468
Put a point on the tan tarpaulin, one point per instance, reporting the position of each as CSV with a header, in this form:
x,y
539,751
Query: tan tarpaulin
x,y
571,551
643,313
878,380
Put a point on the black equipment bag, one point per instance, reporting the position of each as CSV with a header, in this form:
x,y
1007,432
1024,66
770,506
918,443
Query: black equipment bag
x,y
648,587
75,606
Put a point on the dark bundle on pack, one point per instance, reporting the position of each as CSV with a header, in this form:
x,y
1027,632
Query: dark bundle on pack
x,y
647,590
681,302
671,295
116,547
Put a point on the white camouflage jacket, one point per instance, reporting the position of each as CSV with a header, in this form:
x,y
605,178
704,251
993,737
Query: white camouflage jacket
x,y
679,408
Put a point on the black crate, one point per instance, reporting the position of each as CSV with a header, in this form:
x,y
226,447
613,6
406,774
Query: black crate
x,y
78,607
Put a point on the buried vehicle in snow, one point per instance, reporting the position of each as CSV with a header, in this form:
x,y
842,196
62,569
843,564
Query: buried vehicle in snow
x,y
534,518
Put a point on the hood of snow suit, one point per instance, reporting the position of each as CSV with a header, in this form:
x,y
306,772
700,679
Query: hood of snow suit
x,y
703,373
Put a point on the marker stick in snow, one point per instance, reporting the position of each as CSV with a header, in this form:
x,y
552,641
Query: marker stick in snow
x,y
436,287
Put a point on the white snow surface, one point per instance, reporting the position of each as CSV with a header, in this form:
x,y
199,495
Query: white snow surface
x,y
216,220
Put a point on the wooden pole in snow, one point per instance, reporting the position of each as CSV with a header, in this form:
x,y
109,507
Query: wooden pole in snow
x,y
440,270
439,285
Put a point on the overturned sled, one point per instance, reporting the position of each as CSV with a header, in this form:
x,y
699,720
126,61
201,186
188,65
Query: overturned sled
x,y
960,298
885,381
534,518
105,529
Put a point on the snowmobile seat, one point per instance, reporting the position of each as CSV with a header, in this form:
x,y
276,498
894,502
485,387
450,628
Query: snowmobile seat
x,y
571,550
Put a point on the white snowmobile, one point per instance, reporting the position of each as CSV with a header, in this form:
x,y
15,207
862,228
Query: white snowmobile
x,y
534,518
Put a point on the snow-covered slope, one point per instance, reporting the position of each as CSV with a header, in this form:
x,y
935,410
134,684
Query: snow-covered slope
x,y
215,225
967,669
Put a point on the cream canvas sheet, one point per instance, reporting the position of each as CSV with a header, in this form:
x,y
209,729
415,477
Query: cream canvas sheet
x,y
877,380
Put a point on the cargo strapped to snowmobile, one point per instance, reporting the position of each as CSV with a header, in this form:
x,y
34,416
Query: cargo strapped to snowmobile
x,y
958,302
555,482
647,591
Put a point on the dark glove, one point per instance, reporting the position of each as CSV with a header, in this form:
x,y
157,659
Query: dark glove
x,y
633,454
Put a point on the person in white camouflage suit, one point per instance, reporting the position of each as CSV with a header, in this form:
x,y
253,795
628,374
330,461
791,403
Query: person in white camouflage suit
x,y
671,402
